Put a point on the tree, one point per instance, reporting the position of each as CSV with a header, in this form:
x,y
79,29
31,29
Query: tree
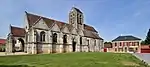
x,y
147,40
107,42
143,43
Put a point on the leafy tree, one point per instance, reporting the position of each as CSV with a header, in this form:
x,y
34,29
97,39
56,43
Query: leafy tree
x,y
147,40
107,42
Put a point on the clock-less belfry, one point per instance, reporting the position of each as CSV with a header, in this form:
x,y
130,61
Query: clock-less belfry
x,y
45,35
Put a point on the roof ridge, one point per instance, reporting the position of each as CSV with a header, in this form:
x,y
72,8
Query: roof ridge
x,y
126,38
17,27
42,16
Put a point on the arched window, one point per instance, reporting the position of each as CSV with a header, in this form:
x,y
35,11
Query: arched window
x,y
54,38
65,39
80,40
42,36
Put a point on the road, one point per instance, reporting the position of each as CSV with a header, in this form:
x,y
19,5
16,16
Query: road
x,y
143,56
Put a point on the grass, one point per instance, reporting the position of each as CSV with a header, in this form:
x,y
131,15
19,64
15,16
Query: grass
x,y
89,59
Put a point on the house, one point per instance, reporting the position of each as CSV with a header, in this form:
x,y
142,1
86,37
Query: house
x,y
108,47
127,43
45,35
2,45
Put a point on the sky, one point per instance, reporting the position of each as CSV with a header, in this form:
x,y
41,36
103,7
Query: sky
x,y
111,18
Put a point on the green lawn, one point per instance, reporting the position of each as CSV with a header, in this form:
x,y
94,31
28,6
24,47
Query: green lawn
x,y
84,59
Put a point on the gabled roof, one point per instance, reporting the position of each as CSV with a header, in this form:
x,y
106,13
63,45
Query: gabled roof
x,y
17,31
126,38
91,35
48,21
90,28
32,19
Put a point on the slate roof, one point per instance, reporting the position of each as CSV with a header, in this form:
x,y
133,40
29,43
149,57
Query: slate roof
x,y
17,31
126,38
33,19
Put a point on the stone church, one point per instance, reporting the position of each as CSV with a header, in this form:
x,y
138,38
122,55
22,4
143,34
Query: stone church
x,y
44,35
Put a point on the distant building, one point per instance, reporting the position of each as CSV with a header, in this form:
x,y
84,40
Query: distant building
x,y
145,48
108,47
45,35
126,44
2,45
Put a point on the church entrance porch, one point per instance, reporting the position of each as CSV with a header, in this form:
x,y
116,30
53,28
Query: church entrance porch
x,y
18,45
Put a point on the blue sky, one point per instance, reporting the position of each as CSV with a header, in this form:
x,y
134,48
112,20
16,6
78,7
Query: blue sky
x,y
111,18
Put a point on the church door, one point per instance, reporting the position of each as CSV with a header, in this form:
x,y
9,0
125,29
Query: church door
x,y
73,46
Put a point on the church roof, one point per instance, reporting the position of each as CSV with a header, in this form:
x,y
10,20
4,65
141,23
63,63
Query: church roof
x,y
17,31
32,19
91,35
90,28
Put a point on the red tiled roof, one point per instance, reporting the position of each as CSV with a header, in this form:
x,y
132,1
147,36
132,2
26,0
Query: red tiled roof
x,y
60,24
90,28
48,21
2,41
91,35
32,19
16,31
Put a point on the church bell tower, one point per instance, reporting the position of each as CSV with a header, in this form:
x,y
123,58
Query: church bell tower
x,y
76,18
